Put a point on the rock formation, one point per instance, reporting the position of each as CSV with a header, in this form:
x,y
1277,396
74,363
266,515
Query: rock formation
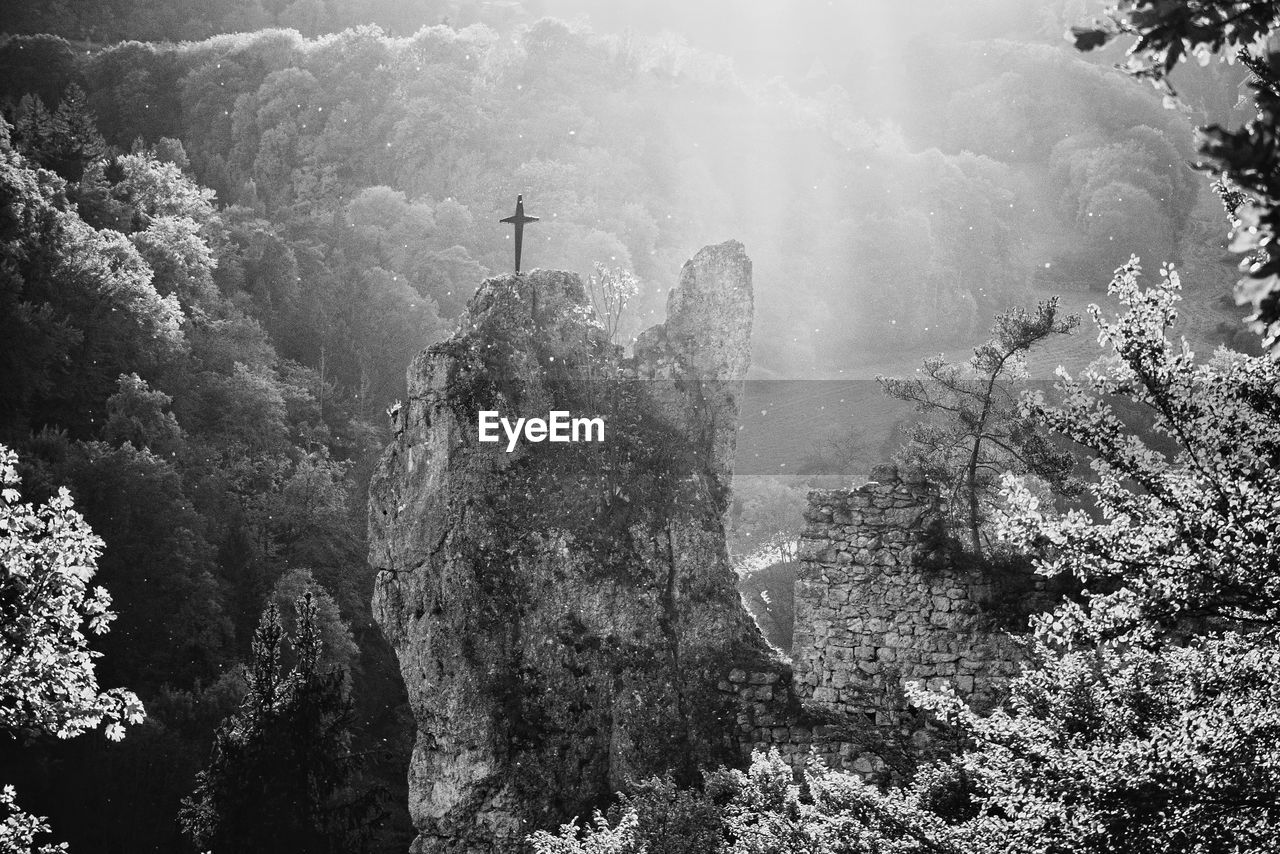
x,y
565,615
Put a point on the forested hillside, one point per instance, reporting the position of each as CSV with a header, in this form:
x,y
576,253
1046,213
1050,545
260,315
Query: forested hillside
x,y
217,257
635,151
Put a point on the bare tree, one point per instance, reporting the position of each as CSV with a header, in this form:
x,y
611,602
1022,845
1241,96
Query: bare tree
x,y
611,290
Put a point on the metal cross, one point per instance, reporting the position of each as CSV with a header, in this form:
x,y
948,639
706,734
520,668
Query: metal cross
x,y
518,220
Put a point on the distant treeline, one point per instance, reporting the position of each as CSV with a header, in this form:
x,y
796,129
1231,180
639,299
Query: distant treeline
x,y
635,152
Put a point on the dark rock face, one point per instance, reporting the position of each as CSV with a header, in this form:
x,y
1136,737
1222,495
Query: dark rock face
x,y
564,613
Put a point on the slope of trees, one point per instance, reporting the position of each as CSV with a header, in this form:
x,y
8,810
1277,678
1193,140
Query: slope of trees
x,y
635,152
140,371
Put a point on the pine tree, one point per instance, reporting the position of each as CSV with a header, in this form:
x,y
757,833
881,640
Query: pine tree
x,y
973,430
32,128
281,777
75,141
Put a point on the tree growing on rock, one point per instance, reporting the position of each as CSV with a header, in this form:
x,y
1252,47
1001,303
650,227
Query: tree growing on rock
x,y
611,291
973,430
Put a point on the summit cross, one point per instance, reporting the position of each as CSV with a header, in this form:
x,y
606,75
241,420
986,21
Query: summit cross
x,y
518,220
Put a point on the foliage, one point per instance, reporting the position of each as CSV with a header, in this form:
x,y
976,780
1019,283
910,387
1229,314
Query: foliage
x,y
48,685
600,838
137,414
1148,718
1166,34
48,555
653,816
1125,747
973,431
65,140
338,647
671,820
1186,534
763,509
305,133
135,370
764,810
79,306
19,829
1148,721
847,451
208,302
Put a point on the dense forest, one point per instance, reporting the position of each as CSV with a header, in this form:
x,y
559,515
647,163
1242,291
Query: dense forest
x,y
1023,163
227,227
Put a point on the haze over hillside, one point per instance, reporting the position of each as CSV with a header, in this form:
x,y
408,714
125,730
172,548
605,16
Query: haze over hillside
x,y
230,225
898,179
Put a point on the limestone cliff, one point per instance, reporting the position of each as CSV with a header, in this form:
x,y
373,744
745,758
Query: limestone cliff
x,y
564,613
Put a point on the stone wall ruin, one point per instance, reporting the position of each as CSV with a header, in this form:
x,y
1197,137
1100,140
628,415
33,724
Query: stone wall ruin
x,y
881,601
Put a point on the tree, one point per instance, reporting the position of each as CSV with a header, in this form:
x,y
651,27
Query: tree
x,y
78,307
1187,533
139,415
75,138
19,829
339,646
1149,721
764,810
64,141
973,431
173,626
32,127
610,291
1166,34
48,556
847,450
281,775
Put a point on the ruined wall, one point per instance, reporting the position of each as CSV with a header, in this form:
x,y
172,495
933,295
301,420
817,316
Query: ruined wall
x,y
881,601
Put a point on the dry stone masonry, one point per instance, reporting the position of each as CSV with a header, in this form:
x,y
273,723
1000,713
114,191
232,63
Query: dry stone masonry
x,y
881,601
